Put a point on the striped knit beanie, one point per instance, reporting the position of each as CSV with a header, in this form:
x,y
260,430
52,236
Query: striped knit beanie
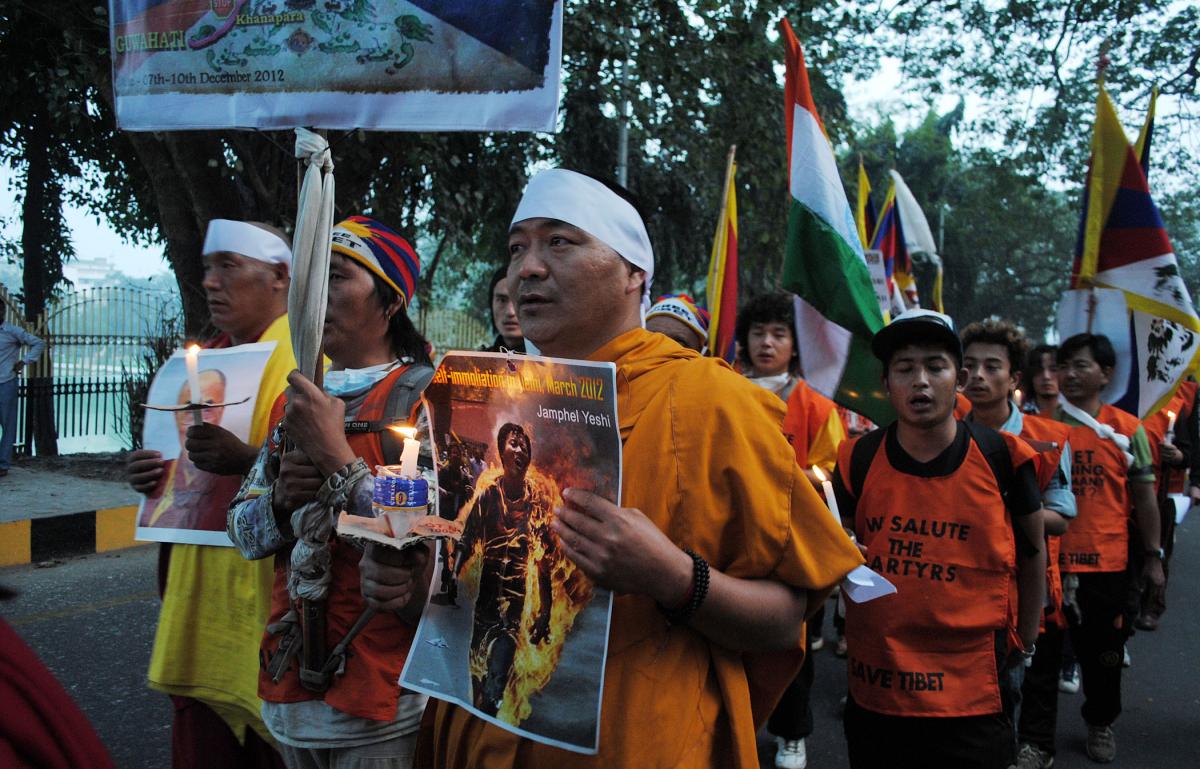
x,y
381,250
684,308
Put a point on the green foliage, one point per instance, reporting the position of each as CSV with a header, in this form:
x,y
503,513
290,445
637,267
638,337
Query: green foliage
x,y
701,76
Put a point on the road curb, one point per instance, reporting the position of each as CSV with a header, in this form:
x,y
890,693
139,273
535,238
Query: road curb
x,y
63,536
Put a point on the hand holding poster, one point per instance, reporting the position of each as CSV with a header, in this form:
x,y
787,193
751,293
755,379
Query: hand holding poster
x,y
424,65
189,504
514,631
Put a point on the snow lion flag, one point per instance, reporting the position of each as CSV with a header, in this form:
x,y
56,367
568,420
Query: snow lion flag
x,y
836,309
1123,245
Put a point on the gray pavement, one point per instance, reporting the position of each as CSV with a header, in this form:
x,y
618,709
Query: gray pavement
x,y
32,493
91,619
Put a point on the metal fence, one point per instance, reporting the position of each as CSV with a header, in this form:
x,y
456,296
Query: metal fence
x,y
95,338
448,329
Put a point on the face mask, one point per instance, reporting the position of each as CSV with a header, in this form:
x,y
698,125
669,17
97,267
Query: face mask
x,y
352,381
771,383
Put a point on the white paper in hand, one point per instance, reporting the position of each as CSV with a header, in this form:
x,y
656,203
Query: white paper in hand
x,y
1182,504
862,585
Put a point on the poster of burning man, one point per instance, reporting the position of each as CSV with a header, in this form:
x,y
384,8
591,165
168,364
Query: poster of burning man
x,y
514,631
421,65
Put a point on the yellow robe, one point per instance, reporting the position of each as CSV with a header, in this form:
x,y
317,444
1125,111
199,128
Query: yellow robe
x,y
216,602
706,460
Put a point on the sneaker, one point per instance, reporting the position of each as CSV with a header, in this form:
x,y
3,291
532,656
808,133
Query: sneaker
x,y
1068,680
791,754
1126,660
818,643
1101,744
1147,622
841,648
1033,757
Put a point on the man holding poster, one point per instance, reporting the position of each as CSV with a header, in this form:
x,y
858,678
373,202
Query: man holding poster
x,y
215,603
714,560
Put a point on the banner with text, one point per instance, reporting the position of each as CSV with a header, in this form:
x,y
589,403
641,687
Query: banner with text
x,y
423,65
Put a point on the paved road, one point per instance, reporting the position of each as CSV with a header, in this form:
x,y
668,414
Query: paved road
x,y
92,621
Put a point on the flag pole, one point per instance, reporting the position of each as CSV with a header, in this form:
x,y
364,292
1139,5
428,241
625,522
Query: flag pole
x,y
716,272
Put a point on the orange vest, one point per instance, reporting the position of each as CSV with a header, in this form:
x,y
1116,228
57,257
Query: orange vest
x,y
1156,430
1048,438
807,413
962,406
947,544
370,687
1098,539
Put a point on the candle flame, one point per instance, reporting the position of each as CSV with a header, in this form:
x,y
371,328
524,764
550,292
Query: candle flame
x,y
1170,414
193,350
820,475
407,432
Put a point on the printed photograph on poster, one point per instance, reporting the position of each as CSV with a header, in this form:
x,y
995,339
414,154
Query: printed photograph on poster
x,y
514,631
189,505
440,64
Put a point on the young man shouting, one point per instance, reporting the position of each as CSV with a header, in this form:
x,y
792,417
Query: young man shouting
x,y
949,511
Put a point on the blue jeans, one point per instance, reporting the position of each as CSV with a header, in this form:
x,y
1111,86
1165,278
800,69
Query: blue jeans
x,y
8,421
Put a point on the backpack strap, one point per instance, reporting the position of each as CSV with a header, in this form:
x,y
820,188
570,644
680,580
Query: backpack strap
x,y
402,399
995,451
861,457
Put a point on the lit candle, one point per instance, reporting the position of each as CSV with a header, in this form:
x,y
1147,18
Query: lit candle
x,y
1170,436
1017,396
192,358
408,457
830,498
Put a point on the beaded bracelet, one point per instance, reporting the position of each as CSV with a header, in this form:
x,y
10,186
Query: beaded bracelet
x,y
696,593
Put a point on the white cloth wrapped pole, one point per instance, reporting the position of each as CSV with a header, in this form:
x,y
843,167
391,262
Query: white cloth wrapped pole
x,y
309,575
311,246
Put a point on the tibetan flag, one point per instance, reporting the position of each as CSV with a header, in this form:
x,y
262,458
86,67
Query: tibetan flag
x,y
1123,245
722,286
864,209
890,241
836,309
1142,148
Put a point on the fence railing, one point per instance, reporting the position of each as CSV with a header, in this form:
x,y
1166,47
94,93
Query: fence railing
x,y
96,337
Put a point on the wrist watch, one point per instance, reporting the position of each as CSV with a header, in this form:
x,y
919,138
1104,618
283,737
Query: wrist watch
x,y
1158,553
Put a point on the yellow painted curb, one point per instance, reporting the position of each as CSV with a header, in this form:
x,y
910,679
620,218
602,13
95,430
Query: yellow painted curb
x,y
115,527
14,543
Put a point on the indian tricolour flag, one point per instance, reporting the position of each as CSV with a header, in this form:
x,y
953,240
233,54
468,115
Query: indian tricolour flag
x,y
836,309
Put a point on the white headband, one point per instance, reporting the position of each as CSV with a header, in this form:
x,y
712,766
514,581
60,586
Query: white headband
x,y
587,204
245,239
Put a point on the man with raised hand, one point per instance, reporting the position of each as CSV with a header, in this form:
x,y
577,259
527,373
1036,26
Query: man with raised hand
x,y
215,603
718,548
948,511
1113,480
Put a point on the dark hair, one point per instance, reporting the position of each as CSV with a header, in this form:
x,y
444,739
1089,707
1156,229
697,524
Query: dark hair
x,y
774,307
507,429
1033,360
407,342
500,274
1003,333
1099,345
